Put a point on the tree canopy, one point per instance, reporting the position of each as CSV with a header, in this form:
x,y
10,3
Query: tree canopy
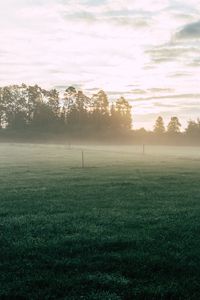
x,y
23,106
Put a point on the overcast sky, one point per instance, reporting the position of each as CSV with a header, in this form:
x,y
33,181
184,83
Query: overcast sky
x,y
147,50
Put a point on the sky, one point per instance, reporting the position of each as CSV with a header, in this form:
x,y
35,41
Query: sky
x,y
146,50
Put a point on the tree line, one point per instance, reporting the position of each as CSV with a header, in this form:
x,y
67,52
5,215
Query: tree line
x,y
23,106
171,133
174,127
40,110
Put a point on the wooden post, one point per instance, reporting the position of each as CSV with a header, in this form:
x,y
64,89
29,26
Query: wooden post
x,y
83,162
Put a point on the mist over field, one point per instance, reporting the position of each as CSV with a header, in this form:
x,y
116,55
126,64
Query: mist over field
x,y
123,224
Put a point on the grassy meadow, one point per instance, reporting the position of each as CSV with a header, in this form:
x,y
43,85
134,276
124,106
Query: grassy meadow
x,y
127,226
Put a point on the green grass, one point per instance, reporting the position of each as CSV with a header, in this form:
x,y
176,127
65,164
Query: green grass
x,y
125,227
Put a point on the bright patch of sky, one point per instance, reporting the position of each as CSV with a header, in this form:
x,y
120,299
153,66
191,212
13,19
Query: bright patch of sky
x,y
146,50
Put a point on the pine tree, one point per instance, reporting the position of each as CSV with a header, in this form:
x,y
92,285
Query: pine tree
x,y
123,109
159,127
174,126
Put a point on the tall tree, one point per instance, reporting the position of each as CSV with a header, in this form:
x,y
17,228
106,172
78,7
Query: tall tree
x,y
53,101
100,103
100,110
76,107
193,128
35,97
82,102
159,127
69,97
123,109
82,108
174,126
33,107
69,104
114,117
15,107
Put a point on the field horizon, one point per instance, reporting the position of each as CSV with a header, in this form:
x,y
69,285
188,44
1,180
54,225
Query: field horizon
x,y
123,227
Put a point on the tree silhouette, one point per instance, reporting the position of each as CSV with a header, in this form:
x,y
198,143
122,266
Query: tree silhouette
x,y
193,128
174,126
31,107
53,101
123,110
69,105
159,127
100,110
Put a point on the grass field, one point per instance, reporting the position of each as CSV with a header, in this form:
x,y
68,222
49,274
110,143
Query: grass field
x,y
127,226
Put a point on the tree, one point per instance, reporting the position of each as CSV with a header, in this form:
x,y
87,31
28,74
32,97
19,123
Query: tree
x,y
35,97
123,110
193,128
44,118
174,126
159,127
14,105
100,102
69,104
53,101
76,107
113,117
23,106
100,110
82,102
69,97
82,108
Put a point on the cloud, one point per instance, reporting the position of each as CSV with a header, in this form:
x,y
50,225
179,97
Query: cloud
x,y
80,16
137,91
133,48
107,13
171,96
135,22
195,62
189,31
180,74
172,52
164,105
160,90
